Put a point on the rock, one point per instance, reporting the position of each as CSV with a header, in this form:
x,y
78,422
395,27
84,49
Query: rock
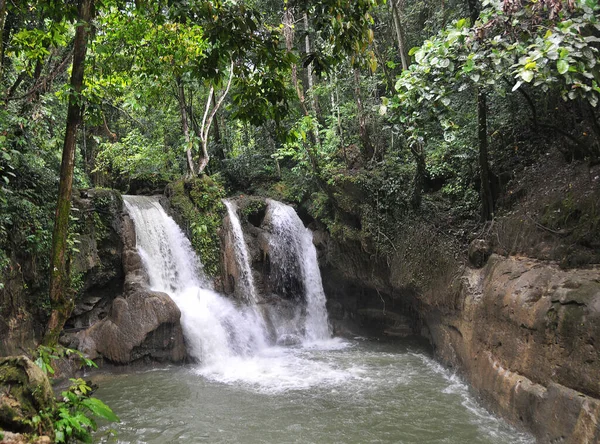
x,y
18,438
526,336
139,323
145,324
97,269
479,252
24,391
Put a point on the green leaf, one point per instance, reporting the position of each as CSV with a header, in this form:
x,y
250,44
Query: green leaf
x,y
100,409
562,66
527,75
413,50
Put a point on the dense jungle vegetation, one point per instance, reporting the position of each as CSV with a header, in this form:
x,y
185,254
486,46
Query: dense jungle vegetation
x,y
371,114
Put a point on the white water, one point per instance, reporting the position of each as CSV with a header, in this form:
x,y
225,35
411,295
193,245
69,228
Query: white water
x,y
241,254
352,392
292,244
230,340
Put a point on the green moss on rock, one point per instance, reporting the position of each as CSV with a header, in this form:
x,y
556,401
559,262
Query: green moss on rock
x,y
198,204
25,391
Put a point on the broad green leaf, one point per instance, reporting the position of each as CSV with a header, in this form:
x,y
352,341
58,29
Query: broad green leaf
x,y
562,66
527,75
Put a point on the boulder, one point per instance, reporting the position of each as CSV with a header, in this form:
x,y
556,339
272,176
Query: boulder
x,y
479,252
24,391
145,324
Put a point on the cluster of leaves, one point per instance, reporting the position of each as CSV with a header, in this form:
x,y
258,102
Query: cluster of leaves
x,y
74,417
137,157
499,53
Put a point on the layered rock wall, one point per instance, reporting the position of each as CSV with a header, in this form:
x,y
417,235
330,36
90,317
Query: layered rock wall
x,y
525,334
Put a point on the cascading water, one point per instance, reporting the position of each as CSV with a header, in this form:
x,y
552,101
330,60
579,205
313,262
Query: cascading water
x,y
241,253
232,341
292,248
214,327
353,392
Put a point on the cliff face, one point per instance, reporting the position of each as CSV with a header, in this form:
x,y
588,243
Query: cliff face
x,y
525,335
518,315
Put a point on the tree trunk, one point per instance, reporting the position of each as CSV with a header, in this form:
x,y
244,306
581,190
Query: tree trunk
x,y
399,37
288,32
2,21
363,129
309,73
218,138
61,297
185,125
485,191
487,198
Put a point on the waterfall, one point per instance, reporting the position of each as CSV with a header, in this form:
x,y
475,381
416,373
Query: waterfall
x,y
225,336
293,251
241,254
215,328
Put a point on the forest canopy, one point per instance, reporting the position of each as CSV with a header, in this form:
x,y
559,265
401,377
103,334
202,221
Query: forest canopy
x,y
365,112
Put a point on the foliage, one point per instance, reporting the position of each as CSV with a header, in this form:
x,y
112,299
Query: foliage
x,y
557,54
74,416
198,203
137,157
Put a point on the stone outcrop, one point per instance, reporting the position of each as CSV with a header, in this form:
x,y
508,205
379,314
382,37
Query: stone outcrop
x,y
525,334
24,391
140,323
97,268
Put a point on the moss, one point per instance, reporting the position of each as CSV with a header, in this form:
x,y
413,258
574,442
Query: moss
x,y
254,206
198,203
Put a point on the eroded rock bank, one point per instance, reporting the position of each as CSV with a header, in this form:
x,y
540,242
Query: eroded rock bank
x,y
525,334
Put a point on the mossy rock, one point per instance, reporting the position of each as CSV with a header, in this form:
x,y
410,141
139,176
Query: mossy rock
x,y
199,209
25,391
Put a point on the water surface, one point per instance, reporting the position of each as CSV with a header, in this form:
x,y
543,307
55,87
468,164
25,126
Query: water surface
x,y
334,392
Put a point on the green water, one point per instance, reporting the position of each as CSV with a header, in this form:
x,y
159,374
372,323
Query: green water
x,y
351,392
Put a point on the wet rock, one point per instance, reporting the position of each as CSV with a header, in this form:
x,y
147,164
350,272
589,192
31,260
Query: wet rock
x,y
139,324
24,391
526,336
479,252
145,324
97,269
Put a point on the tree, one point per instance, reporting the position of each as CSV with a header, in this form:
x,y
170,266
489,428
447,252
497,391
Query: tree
x,y
60,293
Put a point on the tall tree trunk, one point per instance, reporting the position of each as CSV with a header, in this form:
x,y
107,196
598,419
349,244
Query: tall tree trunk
x,y
61,297
363,129
485,191
2,22
185,125
288,32
487,198
309,72
399,36
310,80
217,135
203,131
